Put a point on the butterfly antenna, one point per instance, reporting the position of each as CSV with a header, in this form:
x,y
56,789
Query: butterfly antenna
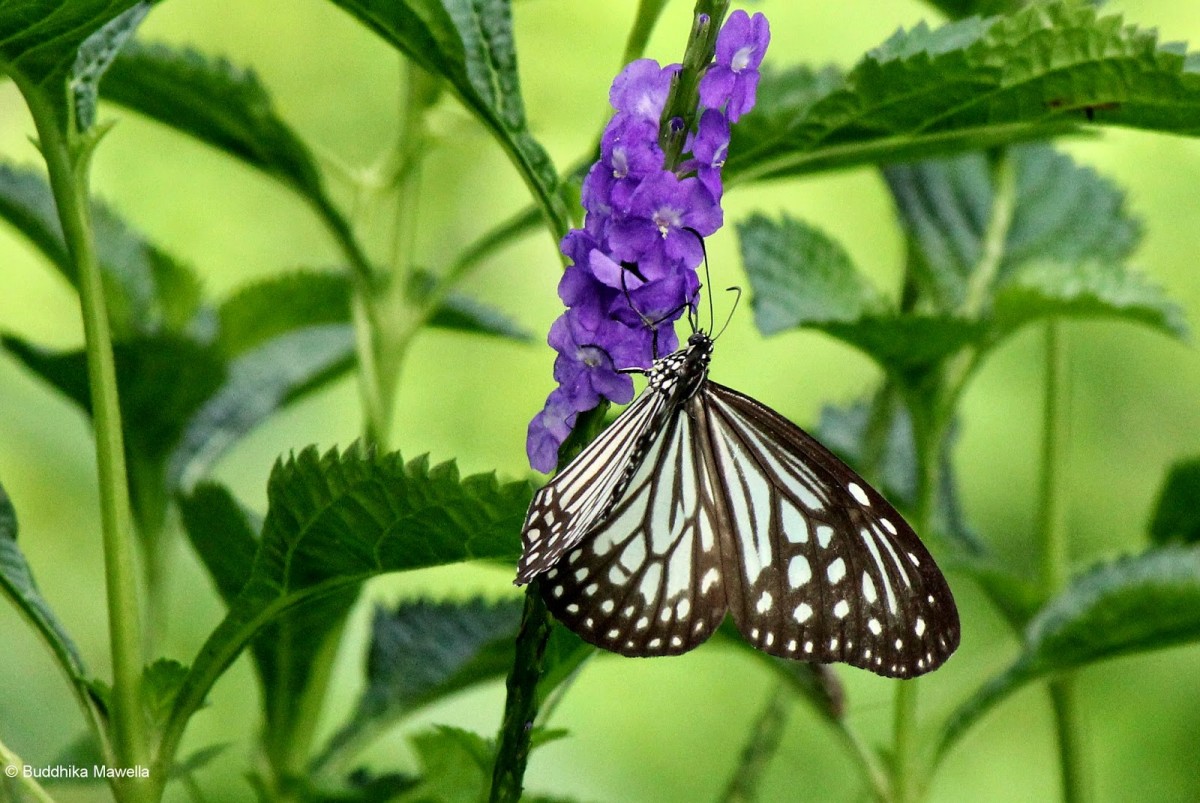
x,y
732,309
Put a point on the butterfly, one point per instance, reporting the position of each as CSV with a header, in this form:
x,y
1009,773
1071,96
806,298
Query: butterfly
x,y
698,501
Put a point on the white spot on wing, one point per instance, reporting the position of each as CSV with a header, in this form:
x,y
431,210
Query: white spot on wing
x,y
842,609
859,494
836,571
824,535
803,612
709,580
764,602
799,572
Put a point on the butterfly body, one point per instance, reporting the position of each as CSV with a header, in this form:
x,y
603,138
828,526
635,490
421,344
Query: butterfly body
x,y
698,501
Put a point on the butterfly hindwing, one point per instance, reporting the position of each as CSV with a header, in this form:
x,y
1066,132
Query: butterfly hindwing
x,y
829,570
647,580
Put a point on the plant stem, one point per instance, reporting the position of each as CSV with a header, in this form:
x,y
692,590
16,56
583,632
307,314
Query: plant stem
x,y
1054,556
1004,204
33,790
521,704
68,157
765,736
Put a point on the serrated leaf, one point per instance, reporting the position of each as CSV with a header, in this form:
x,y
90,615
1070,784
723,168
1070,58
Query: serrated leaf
x,y
18,585
1045,69
1062,213
146,290
217,103
40,41
336,520
470,43
1135,604
799,276
1176,517
1086,290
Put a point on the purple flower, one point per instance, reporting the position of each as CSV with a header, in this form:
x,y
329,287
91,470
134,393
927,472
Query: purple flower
x,y
732,80
633,264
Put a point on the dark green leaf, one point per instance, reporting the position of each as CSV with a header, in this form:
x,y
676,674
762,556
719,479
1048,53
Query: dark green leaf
x,y
1177,513
964,8
456,766
799,276
1135,604
1046,69
146,290
215,102
17,583
470,44
1062,213
338,519
40,41
1087,290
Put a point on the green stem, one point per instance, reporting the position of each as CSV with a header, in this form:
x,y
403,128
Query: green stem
x,y
1054,554
1004,205
521,704
929,422
67,158
765,735
679,112
10,761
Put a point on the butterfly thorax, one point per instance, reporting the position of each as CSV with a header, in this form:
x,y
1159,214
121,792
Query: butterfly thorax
x,y
682,372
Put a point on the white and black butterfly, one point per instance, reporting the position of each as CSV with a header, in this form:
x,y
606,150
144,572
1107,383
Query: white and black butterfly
x,y
699,500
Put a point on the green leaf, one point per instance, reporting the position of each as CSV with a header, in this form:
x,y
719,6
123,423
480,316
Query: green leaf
x,y
197,760
1176,516
40,42
265,309
286,651
1062,213
146,290
456,766
799,276
217,103
1086,290
1135,604
906,343
470,43
968,85
18,585
336,520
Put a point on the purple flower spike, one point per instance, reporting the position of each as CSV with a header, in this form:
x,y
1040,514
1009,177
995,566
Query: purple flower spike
x,y
633,264
732,80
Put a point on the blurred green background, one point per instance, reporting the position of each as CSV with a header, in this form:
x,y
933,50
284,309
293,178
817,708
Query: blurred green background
x,y
662,730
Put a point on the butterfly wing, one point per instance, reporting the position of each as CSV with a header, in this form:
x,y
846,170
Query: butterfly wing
x,y
565,508
819,566
647,580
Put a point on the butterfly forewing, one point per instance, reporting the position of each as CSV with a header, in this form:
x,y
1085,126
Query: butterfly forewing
x,y
564,508
829,570
647,581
